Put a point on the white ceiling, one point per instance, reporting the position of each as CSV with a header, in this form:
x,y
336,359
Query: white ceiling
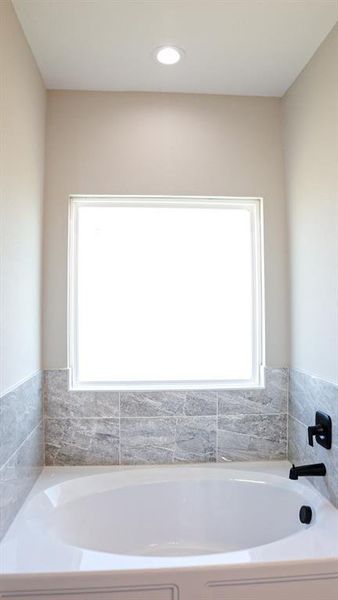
x,y
232,47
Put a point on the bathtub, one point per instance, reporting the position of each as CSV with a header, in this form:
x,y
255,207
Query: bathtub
x,y
171,533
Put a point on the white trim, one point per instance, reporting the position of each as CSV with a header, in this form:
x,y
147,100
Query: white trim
x,y
254,205
146,386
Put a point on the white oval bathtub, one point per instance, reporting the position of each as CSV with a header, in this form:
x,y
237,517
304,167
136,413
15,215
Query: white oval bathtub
x,y
175,512
163,533
141,518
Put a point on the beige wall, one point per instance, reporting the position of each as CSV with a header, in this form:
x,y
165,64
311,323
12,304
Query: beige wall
x,y
22,117
137,143
311,156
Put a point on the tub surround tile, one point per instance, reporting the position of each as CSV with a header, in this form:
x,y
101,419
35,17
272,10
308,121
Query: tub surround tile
x,y
168,403
18,475
60,403
168,440
252,424
20,413
308,394
200,403
252,437
152,404
82,441
21,446
301,453
157,427
148,440
270,400
196,439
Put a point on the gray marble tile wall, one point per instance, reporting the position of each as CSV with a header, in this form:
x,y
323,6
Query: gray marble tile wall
x,y
107,428
307,395
21,446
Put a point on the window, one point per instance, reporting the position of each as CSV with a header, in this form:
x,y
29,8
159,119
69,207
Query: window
x,y
165,293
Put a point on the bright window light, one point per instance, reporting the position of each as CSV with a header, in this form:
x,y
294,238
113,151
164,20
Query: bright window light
x,y
165,293
168,55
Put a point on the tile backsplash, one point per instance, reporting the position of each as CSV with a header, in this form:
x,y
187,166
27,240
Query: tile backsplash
x,y
308,394
109,428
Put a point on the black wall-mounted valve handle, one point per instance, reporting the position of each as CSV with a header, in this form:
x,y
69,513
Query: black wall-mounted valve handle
x,y
322,431
313,431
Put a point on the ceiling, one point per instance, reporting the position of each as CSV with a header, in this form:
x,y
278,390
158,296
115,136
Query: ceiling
x,y
231,47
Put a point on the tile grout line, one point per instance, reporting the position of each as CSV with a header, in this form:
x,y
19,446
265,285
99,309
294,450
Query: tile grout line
x,y
173,416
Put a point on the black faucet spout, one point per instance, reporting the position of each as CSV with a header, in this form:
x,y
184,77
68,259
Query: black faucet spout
x,y
316,470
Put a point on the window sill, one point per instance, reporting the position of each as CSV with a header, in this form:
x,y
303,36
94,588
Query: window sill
x,y
167,387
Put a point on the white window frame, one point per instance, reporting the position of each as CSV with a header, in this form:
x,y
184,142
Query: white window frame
x,y
255,207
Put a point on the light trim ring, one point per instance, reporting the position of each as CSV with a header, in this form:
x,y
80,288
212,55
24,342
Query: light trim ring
x,y
168,55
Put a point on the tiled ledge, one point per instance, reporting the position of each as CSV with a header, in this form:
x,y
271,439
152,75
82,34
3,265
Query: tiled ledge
x,y
88,428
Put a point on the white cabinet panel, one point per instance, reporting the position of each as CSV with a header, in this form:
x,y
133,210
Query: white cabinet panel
x,y
160,593
278,590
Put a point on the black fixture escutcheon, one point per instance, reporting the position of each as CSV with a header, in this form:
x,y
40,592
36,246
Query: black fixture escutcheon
x,y
305,514
322,430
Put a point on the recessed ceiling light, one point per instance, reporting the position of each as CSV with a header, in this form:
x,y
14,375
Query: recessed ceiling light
x,y
168,55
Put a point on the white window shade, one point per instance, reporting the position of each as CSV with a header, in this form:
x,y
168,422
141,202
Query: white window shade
x,y
165,293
